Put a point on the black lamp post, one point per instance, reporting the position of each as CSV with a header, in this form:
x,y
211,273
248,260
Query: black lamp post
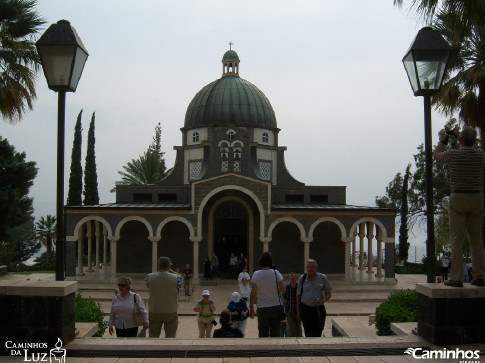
x,y
425,63
63,56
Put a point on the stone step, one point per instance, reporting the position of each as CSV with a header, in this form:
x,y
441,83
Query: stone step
x,y
351,327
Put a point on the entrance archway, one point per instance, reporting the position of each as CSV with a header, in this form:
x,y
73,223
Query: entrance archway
x,y
231,231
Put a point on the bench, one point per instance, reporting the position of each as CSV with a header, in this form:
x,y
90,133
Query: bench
x,y
351,327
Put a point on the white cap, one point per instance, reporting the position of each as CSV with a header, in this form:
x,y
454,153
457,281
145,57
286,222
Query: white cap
x,y
206,292
235,296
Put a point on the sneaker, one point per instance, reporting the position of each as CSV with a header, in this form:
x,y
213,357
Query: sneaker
x,y
453,283
478,282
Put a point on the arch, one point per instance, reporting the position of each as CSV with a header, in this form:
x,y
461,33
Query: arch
x,y
315,224
385,238
79,224
237,143
223,143
253,196
287,219
134,218
178,219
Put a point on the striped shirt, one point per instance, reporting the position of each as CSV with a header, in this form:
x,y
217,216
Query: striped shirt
x,y
466,168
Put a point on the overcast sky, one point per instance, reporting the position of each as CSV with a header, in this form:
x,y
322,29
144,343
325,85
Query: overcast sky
x,y
332,71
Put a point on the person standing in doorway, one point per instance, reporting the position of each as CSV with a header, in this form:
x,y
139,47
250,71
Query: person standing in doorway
x,y
215,266
163,288
188,274
314,290
232,266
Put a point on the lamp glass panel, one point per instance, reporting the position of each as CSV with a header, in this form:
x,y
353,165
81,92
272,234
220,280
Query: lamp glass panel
x,y
430,67
57,61
411,70
79,62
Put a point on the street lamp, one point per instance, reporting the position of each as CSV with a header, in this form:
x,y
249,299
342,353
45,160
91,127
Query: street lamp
x,y
425,63
63,56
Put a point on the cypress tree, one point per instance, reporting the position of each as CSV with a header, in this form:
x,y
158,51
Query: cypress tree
x,y
403,228
74,196
90,176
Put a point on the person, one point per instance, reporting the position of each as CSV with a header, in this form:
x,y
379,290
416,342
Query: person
x,y
163,288
122,306
466,203
241,263
314,290
207,269
289,299
187,273
205,307
445,264
244,286
267,284
215,266
465,271
227,330
239,312
232,266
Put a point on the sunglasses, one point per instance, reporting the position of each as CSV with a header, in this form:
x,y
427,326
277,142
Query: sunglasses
x,y
122,285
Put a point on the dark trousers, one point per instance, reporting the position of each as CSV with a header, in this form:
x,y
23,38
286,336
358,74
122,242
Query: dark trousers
x,y
444,273
313,319
269,321
127,333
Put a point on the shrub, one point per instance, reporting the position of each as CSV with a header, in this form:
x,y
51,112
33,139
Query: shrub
x,y
400,306
88,310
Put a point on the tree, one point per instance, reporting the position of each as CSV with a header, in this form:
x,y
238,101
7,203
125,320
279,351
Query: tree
x,y
19,60
403,247
20,245
91,195
46,231
16,178
74,196
149,168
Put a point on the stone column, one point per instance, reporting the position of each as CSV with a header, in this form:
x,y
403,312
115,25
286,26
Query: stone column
x,y
98,240
265,241
370,237
361,253
113,246
354,247
379,252
347,258
196,240
154,241
306,250
90,246
105,247
80,248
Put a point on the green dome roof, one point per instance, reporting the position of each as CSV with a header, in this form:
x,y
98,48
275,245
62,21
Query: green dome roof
x,y
230,101
230,54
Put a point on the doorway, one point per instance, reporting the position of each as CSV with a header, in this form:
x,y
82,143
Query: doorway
x,y
230,232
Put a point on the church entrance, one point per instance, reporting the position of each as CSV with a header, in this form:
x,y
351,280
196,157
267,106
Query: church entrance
x,y
230,232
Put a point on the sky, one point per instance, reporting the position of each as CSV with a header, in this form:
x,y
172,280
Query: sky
x,y
332,71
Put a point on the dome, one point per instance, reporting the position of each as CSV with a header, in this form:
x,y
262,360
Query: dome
x,y
230,54
230,101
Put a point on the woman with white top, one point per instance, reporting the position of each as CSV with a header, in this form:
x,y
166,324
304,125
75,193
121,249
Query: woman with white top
x,y
122,307
267,285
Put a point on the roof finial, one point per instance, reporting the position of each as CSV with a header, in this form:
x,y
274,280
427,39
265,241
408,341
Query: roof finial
x,y
230,45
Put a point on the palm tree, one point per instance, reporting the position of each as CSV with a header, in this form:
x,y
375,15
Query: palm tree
x,y
46,232
19,60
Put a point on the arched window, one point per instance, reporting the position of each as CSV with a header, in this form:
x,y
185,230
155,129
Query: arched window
x,y
265,137
195,137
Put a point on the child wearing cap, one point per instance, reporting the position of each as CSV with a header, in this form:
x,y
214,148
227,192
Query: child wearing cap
x,y
205,307
239,312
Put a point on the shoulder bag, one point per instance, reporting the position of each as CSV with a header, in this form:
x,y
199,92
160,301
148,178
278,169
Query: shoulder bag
x,y
137,315
282,315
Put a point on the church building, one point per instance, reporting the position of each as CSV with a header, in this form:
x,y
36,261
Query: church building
x,y
230,192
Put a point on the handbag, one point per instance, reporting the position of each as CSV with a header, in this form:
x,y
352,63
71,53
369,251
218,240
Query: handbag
x,y
137,315
282,315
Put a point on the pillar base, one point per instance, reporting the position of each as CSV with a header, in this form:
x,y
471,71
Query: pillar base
x,y
451,315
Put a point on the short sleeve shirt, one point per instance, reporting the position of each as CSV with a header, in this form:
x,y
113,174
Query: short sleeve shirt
x,y
466,167
313,289
266,282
